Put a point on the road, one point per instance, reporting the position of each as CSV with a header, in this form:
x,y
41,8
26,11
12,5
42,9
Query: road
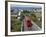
x,y
34,27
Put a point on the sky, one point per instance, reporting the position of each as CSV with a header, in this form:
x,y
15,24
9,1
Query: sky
x,y
13,5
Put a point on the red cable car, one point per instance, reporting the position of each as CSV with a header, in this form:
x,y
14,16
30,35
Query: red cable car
x,y
28,21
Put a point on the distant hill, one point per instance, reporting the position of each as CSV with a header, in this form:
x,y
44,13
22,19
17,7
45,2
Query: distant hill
x,y
25,8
